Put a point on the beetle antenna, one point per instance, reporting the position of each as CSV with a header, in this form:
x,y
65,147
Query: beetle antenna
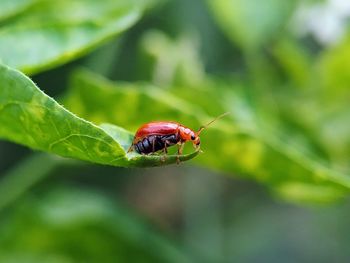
x,y
206,126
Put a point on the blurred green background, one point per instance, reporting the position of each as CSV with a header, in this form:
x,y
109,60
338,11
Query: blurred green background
x,y
273,182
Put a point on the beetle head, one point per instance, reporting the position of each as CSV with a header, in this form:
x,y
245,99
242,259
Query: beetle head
x,y
195,139
187,134
196,142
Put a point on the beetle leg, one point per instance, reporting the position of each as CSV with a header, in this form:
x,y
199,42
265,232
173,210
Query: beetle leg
x,y
165,151
180,148
131,148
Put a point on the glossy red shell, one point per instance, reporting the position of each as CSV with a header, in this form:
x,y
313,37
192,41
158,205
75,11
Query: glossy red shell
x,y
157,127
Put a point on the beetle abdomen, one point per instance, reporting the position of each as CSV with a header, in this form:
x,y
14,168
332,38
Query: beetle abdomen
x,y
154,143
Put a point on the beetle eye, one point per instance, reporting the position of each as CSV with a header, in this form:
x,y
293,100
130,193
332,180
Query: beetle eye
x,y
193,137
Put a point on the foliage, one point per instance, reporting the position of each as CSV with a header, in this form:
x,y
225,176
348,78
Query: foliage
x,y
32,118
241,143
131,62
251,23
43,229
52,33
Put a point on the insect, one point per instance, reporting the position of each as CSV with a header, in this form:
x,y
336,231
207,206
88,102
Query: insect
x,y
159,135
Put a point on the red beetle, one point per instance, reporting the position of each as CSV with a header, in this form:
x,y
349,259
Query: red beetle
x,y
155,136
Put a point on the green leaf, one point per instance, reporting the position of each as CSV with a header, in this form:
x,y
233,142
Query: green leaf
x,y
80,225
334,71
250,23
31,118
246,143
10,8
175,61
55,32
298,68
